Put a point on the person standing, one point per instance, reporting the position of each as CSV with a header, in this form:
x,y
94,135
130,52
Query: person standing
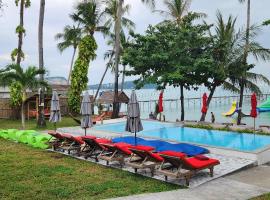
x,y
213,119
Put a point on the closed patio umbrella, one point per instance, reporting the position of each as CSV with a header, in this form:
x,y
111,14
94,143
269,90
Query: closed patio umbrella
x,y
55,115
86,111
133,124
253,112
160,104
204,105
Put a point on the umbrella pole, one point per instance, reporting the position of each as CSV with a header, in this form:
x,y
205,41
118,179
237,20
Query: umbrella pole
x,y
85,131
254,125
54,126
135,133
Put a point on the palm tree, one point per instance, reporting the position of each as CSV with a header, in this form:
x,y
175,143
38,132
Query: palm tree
x,y
20,30
229,48
117,31
245,57
41,119
26,78
89,16
177,9
70,37
224,42
111,12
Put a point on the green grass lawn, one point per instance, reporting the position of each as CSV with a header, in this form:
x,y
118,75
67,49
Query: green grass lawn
x,y
32,124
28,173
263,197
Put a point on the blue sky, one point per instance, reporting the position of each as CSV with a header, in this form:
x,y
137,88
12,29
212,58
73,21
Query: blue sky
x,y
56,17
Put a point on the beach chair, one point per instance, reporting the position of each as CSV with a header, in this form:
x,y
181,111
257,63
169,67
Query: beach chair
x,y
187,167
172,166
93,146
200,162
115,152
56,140
148,159
71,144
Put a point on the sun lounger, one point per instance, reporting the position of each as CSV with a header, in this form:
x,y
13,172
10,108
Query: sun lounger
x,y
93,146
115,152
199,163
187,167
148,159
172,166
71,143
56,140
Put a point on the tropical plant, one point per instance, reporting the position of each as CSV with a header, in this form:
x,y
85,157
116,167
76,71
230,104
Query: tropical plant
x,y
25,79
266,23
88,14
117,29
17,54
223,50
177,9
127,24
15,94
244,61
228,48
41,119
70,37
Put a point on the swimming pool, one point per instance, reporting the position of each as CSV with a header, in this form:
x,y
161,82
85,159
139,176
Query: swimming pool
x,y
225,139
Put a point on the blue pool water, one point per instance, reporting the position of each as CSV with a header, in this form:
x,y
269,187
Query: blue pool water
x,y
225,139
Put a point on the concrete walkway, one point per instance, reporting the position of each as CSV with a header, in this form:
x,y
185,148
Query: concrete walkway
x,y
241,186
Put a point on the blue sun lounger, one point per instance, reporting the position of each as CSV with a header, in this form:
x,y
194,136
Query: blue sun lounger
x,y
188,149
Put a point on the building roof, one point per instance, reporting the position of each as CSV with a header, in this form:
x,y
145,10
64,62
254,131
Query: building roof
x,y
107,97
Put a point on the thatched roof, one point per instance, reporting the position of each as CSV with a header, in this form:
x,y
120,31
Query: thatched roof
x,y
108,97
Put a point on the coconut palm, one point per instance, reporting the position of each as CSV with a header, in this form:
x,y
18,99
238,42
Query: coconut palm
x,y
90,16
224,42
228,51
127,24
20,31
41,119
177,9
117,31
245,57
28,79
70,37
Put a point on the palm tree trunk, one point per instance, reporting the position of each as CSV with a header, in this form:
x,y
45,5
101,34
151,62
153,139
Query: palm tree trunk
x,y
212,91
182,103
41,119
101,81
71,64
20,34
22,109
123,78
117,57
242,85
23,116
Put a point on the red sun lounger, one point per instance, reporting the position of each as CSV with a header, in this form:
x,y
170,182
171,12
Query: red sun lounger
x,y
72,143
172,166
93,146
148,159
116,152
58,140
177,165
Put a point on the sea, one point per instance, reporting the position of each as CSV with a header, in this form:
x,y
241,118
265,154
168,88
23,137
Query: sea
x,y
222,104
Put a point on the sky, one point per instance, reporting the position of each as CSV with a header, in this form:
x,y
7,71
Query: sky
x,y
57,16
